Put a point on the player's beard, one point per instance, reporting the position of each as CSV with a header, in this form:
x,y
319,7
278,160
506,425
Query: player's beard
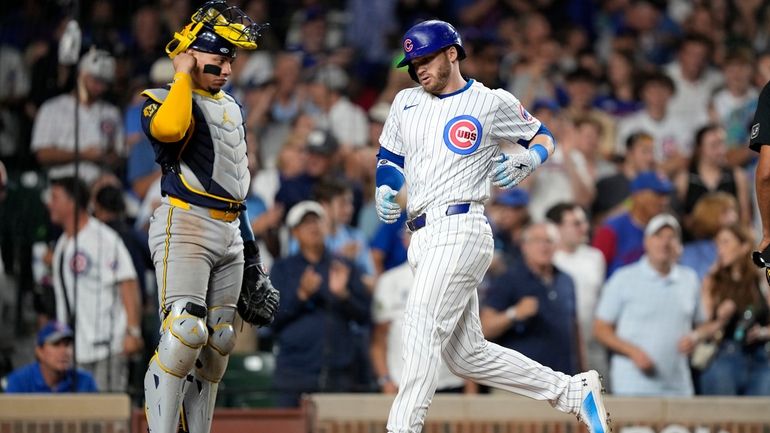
x,y
441,78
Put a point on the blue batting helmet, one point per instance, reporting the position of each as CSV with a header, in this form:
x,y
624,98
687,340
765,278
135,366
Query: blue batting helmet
x,y
429,37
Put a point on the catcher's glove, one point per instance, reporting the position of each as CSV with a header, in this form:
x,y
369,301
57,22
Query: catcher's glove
x,y
762,260
258,301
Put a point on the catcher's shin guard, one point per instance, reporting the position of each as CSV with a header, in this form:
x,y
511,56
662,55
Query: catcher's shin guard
x,y
183,334
201,394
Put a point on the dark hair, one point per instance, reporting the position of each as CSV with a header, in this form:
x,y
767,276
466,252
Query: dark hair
x,y
556,213
698,145
635,138
328,189
110,198
696,39
580,74
75,188
654,78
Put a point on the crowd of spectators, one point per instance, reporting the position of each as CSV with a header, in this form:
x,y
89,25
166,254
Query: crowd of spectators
x,y
624,253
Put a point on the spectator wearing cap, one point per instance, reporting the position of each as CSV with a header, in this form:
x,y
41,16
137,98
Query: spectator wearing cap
x,y
346,121
508,216
613,191
54,369
100,124
321,294
672,141
621,238
646,315
585,265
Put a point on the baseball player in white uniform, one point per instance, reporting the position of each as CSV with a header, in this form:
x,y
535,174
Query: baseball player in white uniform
x,y
442,141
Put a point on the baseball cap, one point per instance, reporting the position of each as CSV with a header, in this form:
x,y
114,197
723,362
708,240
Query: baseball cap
x,y
652,181
662,220
99,64
322,142
547,103
379,112
162,71
54,332
298,212
514,197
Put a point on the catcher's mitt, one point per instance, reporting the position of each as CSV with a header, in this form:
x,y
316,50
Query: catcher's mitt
x,y
258,301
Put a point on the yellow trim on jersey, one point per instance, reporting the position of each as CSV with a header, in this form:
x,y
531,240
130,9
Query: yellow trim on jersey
x,y
165,258
173,119
182,418
173,201
219,95
163,367
205,194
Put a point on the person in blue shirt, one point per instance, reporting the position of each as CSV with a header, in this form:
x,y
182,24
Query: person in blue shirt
x,y
322,294
532,309
53,371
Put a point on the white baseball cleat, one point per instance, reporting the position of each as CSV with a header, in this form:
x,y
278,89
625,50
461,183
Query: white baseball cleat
x,y
592,412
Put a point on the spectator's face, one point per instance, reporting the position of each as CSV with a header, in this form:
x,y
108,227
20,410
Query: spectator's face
x,y
340,208
650,202
618,69
642,155
587,138
730,249
663,246
738,76
309,232
692,59
574,227
581,93
60,205
292,161
318,164
57,356
539,244
94,86
713,148
313,34
507,218
287,71
211,82
146,29
656,95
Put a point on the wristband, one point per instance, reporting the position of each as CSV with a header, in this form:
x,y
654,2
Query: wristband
x,y
510,313
134,331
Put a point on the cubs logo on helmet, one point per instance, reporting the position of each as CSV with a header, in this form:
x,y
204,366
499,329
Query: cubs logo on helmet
x,y
408,45
462,134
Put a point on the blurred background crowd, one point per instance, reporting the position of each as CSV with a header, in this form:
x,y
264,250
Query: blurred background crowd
x,y
627,252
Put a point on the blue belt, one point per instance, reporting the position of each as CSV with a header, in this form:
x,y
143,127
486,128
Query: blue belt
x,y
419,221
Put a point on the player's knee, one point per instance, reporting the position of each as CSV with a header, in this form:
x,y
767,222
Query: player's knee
x,y
184,334
213,358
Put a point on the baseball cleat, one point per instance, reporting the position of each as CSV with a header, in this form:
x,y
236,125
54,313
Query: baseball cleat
x,y
592,412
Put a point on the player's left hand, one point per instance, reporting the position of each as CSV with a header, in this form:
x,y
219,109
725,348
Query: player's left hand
x,y
385,200
510,169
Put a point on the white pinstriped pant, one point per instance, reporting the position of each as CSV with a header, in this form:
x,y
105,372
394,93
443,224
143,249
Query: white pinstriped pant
x,y
449,257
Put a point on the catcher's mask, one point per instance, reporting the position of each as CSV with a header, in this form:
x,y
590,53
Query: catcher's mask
x,y
216,28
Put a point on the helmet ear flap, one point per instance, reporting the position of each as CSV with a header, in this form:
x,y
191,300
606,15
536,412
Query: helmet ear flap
x,y
413,73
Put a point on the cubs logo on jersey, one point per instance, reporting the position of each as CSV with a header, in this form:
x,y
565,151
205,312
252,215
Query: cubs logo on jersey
x,y
80,263
462,134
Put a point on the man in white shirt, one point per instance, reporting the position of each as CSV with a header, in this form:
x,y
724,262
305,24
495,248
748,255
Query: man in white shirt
x,y
95,287
673,142
585,264
346,121
100,124
695,82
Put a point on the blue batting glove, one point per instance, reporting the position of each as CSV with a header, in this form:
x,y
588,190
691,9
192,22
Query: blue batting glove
x,y
508,170
385,201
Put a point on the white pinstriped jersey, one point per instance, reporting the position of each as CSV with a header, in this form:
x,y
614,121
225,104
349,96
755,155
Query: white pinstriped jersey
x,y
448,141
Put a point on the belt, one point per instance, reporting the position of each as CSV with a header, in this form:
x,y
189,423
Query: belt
x,y
419,221
221,215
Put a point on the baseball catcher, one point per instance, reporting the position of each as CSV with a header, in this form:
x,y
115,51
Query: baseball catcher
x,y
207,262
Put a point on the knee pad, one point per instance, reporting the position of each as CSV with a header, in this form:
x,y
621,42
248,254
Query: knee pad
x,y
212,361
184,334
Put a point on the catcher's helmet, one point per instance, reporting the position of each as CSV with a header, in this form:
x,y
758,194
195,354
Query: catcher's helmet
x,y
218,29
429,37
